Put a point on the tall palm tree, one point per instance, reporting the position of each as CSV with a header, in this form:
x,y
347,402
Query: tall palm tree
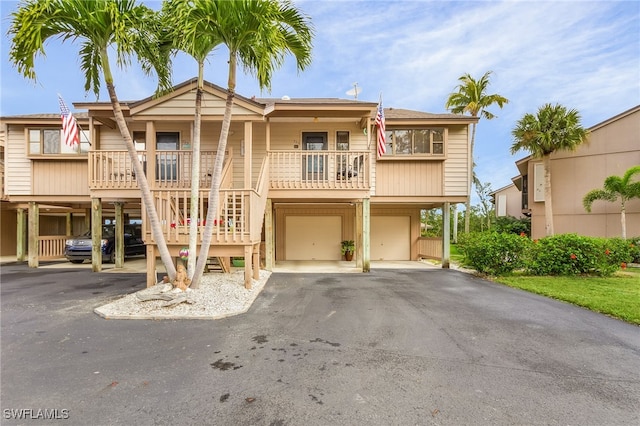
x,y
259,34
616,187
99,25
553,128
199,41
471,97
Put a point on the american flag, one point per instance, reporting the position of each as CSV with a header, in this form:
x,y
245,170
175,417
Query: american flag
x,y
69,125
382,143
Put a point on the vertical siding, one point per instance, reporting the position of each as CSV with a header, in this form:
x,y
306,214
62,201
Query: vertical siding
x,y
420,178
60,177
456,167
17,165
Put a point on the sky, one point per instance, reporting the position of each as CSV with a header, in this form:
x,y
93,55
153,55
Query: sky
x,y
584,55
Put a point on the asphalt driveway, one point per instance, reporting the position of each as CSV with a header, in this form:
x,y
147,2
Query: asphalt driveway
x,y
392,347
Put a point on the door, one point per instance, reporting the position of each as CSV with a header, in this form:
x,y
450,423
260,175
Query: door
x,y
313,162
167,162
390,238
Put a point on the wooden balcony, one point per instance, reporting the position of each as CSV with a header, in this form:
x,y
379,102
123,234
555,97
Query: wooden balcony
x,y
325,169
110,170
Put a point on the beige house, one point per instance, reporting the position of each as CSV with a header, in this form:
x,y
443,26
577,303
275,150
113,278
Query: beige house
x,y
507,201
300,176
612,148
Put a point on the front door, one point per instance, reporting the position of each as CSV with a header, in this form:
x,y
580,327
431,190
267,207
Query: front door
x,y
314,161
167,162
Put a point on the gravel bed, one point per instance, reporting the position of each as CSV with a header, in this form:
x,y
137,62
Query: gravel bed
x,y
219,296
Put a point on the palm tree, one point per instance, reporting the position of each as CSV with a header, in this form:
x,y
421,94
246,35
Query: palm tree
x,y
179,15
472,97
554,128
259,34
616,187
99,25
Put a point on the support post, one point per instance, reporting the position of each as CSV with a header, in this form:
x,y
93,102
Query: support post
x,y
152,274
359,235
21,241
446,225
268,235
366,235
119,231
69,224
34,233
255,262
248,156
247,266
96,234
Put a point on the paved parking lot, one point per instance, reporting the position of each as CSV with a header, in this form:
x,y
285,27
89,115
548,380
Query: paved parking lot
x,y
392,347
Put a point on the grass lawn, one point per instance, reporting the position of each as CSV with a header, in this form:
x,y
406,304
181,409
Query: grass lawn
x,y
617,296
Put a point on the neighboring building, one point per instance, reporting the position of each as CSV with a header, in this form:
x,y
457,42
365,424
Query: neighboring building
x,y
300,175
612,148
507,202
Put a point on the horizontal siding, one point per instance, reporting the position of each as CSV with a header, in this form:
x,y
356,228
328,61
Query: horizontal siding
x,y
184,104
456,165
17,165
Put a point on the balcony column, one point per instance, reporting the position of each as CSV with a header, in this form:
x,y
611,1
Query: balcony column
x,y
150,145
21,241
96,234
119,231
446,224
34,234
363,236
248,154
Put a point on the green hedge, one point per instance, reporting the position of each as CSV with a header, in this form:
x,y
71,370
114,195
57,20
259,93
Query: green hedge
x,y
567,254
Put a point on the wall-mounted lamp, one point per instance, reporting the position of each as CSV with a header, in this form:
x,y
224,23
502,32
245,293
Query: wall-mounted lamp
x,y
315,119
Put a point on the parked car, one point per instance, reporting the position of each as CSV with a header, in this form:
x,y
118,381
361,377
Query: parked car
x,y
78,249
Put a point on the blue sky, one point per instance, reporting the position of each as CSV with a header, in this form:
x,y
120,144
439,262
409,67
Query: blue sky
x,y
583,55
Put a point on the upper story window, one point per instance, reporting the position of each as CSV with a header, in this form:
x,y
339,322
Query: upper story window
x,y
415,142
342,140
48,141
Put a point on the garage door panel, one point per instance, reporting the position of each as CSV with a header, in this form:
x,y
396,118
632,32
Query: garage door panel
x,y
313,237
390,238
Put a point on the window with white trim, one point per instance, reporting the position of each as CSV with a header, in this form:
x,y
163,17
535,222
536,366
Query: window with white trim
x,y
49,141
415,142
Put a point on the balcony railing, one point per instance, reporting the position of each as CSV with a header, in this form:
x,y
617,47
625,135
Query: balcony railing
x,y
114,169
319,169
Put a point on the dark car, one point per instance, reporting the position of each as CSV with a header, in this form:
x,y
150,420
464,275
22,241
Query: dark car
x,y
78,249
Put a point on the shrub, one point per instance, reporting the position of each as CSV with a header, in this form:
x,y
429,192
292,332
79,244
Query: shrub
x,y
494,253
566,254
513,225
634,246
613,253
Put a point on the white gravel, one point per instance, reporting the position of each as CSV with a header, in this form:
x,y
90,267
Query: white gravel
x,y
219,296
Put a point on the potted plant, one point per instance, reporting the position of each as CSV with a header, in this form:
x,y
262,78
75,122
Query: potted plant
x,y
348,247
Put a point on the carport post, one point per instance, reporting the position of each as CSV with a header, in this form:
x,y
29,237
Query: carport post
x,y
96,234
446,224
119,233
366,236
34,234
21,243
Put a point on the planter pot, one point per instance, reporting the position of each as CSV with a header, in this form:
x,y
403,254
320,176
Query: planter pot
x,y
348,256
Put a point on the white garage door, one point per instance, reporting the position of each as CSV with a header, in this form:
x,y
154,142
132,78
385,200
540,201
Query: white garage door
x,y
390,238
313,237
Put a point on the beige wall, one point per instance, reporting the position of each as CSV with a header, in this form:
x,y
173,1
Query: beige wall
x,y
612,149
512,199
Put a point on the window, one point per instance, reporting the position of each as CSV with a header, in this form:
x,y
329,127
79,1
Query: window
x,y
415,142
48,141
342,141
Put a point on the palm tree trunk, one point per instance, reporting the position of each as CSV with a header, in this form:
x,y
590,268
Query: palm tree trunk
x,y
623,221
214,193
467,214
147,199
195,177
548,201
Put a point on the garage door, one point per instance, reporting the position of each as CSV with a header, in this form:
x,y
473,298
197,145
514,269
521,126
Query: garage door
x,y
390,238
313,237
